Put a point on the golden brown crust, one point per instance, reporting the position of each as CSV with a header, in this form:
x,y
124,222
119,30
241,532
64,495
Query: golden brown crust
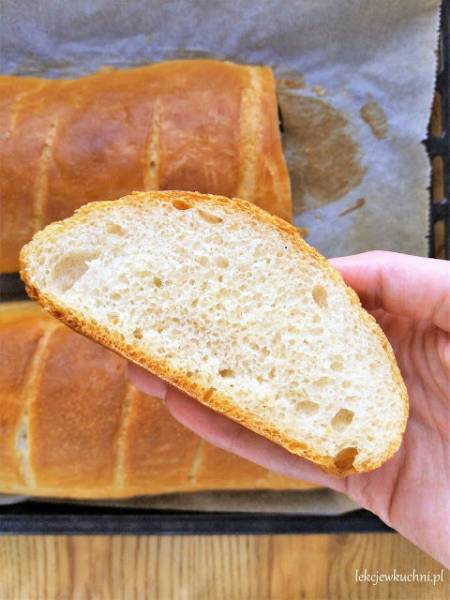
x,y
90,434
76,424
19,164
159,452
18,343
207,396
70,142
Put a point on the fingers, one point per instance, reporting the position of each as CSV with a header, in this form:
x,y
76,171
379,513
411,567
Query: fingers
x,y
409,286
147,382
235,438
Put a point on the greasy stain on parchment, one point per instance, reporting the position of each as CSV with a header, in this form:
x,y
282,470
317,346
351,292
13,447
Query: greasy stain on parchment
x,y
375,117
323,158
291,80
358,204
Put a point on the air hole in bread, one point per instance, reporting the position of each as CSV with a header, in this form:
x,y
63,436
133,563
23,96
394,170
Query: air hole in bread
x,y
157,282
202,260
316,331
114,228
344,459
209,392
208,217
322,382
181,205
226,373
222,262
137,333
351,398
337,365
112,318
320,295
70,268
307,407
346,384
342,419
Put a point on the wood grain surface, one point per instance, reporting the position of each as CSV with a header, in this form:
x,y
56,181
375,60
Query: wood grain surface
x,y
212,567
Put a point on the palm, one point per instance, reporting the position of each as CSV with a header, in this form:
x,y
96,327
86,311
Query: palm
x,y
416,480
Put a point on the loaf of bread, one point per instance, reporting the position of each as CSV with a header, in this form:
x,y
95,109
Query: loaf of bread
x,y
200,125
72,426
229,304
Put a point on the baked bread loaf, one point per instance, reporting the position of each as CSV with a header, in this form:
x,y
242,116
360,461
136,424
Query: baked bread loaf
x,y
229,304
72,426
200,125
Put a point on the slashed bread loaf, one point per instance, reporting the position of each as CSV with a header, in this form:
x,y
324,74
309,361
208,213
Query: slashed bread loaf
x,y
204,125
230,305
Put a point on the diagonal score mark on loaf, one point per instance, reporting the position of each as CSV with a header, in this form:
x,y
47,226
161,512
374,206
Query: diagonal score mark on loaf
x,y
151,165
277,184
119,470
40,192
192,476
33,377
250,134
17,107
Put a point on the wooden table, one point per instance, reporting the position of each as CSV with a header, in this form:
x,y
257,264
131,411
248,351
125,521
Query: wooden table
x,y
211,567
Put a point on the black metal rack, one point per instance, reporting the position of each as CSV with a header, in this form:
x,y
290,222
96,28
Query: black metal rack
x,y
438,142
39,517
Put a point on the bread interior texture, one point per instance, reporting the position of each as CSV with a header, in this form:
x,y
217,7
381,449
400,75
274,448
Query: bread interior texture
x,y
233,309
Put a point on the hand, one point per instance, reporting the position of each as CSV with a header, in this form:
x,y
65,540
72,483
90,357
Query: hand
x,y
410,298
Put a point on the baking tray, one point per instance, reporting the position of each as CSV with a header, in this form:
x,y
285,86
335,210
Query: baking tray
x,y
40,517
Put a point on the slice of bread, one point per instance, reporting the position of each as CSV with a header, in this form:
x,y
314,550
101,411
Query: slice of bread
x,y
230,305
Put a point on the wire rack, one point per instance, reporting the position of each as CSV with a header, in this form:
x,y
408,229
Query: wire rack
x,y
438,147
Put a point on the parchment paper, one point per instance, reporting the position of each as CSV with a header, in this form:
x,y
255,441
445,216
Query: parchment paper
x,y
346,54
355,81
